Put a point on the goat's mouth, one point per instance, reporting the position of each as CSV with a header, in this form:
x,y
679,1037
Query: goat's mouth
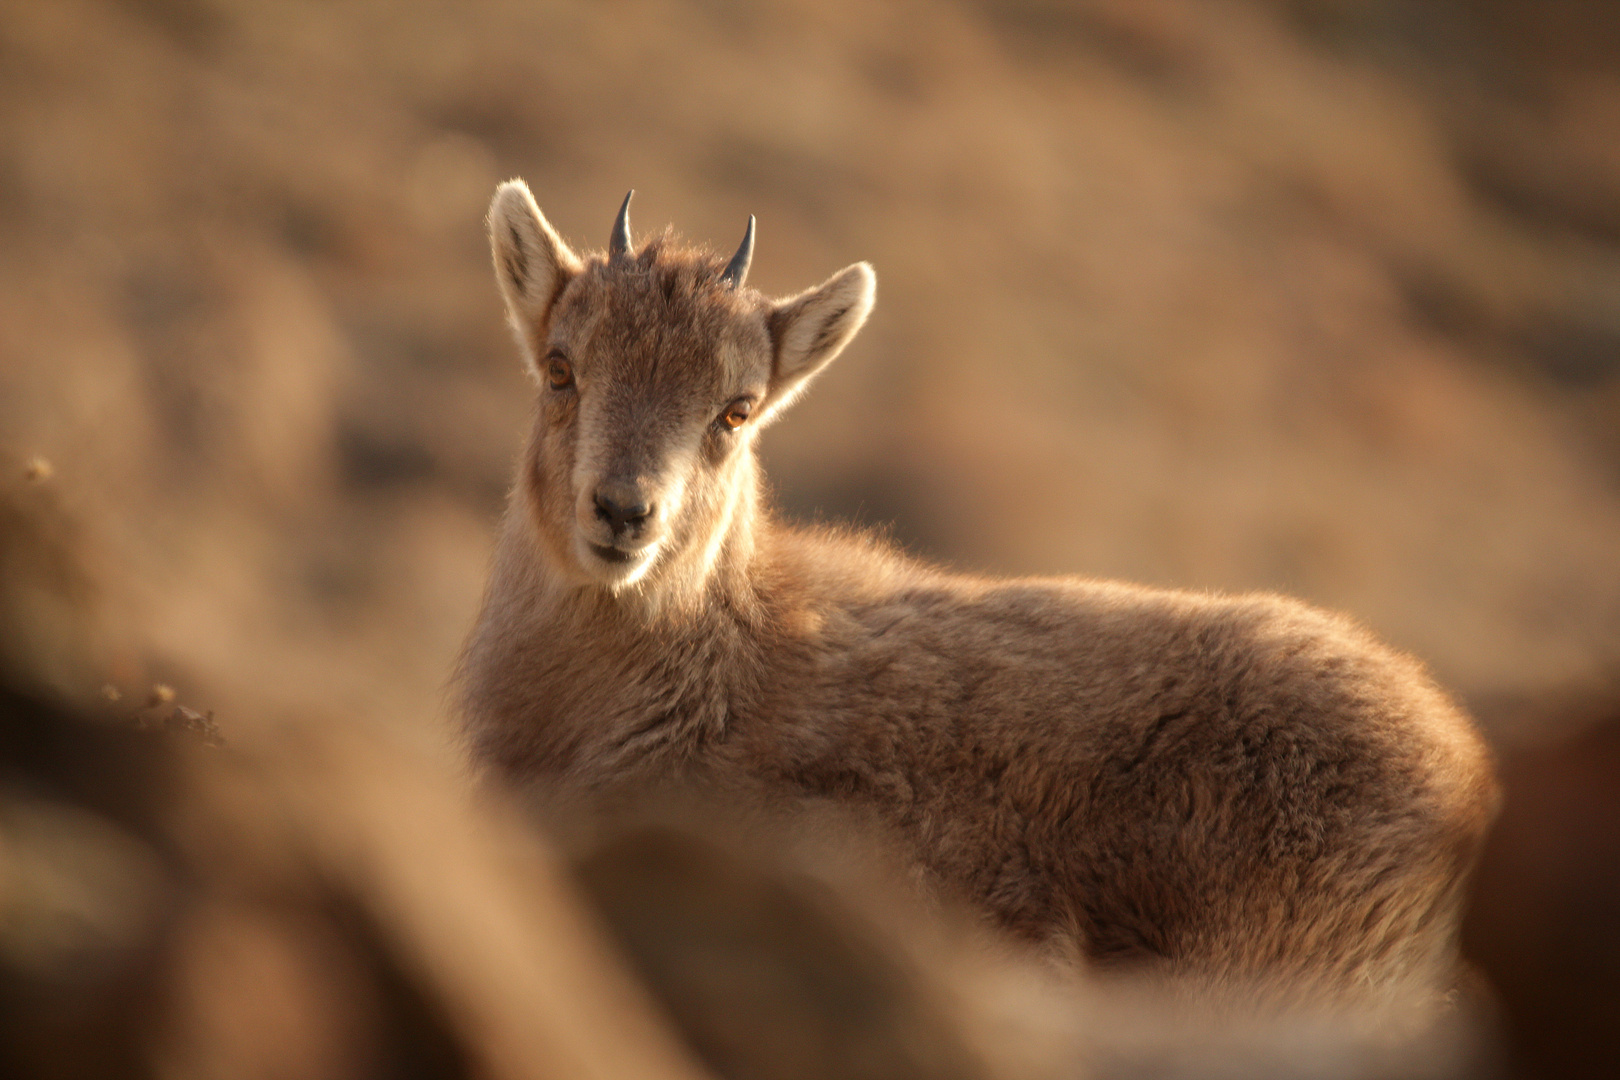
x,y
611,565
611,554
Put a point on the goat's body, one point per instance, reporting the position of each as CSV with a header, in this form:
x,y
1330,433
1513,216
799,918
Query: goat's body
x,y
1237,787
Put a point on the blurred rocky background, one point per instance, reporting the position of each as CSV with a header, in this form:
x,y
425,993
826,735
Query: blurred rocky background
x,y
1320,296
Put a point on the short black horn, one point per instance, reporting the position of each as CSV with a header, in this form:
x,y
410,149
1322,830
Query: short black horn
x,y
737,268
619,242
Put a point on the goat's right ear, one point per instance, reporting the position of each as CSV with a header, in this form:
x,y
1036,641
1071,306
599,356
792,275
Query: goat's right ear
x,y
532,264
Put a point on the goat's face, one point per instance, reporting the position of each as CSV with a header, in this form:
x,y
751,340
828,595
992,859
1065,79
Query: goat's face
x,y
649,374
655,370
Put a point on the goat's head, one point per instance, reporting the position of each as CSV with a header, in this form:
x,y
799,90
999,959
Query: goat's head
x,y
656,369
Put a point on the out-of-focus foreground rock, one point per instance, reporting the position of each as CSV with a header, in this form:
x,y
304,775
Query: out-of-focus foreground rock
x,y
328,905
324,902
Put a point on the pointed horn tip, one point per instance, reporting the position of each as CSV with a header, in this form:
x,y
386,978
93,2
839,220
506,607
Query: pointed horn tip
x,y
737,269
619,241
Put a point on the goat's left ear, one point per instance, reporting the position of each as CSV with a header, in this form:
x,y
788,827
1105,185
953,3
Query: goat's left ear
x,y
532,264
808,330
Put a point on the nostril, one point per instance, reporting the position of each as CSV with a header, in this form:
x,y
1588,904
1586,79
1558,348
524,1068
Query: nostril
x,y
618,515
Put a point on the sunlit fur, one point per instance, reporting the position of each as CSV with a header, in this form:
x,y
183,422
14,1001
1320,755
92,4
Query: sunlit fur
x,y
1227,789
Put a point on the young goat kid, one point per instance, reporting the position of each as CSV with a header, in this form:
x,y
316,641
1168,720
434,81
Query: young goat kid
x,y
1235,789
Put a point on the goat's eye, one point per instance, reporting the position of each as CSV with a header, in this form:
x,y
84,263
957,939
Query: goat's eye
x,y
559,372
736,413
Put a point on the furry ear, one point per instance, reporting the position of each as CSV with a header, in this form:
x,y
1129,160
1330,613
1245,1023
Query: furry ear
x,y
808,330
532,264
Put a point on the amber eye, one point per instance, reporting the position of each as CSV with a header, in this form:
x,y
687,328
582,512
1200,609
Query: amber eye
x,y
736,413
559,372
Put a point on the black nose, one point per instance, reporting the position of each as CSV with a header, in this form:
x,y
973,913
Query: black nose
x,y
618,515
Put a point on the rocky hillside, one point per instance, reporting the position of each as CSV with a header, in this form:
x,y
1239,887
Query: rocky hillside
x,y
1319,296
